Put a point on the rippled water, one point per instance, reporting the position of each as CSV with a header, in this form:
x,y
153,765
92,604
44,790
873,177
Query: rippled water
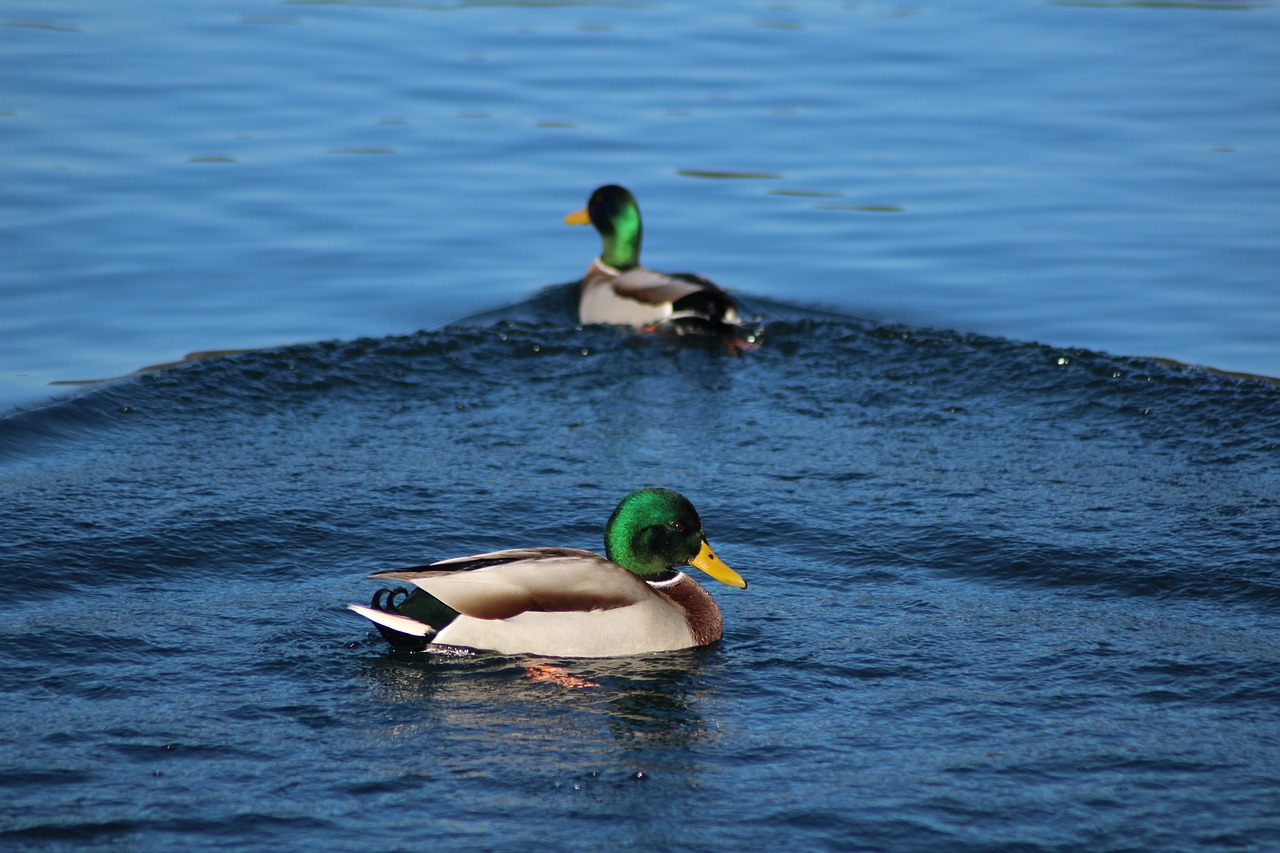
x,y
1003,595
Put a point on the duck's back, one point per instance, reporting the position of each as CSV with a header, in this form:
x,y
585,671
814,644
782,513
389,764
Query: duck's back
x,y
642,297
567,603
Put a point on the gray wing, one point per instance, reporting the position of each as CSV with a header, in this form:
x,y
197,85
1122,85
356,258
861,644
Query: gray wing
x,y
502,584
653,288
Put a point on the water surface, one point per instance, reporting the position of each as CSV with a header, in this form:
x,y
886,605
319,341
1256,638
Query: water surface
x,y
1002,597
1005,595
215,176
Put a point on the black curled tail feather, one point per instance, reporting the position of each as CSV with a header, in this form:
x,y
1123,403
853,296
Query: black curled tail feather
x,y
385,599
416,604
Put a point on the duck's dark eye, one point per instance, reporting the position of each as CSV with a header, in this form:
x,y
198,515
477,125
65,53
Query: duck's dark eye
x,y
677,526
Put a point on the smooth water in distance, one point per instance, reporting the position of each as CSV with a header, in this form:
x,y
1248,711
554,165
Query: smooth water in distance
x,y
213,175
1003,595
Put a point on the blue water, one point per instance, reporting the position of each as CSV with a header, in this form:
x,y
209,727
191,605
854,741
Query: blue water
x,y
1004,595
213,175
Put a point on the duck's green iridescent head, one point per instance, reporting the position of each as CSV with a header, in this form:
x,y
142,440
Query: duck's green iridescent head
x,y
655,529
615,214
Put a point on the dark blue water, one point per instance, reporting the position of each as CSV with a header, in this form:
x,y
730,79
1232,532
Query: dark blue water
x,y
1003,596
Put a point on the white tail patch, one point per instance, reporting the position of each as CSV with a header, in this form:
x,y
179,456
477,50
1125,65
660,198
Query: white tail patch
x,y
394,621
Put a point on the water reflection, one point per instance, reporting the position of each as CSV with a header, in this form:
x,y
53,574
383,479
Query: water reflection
x,y
634,703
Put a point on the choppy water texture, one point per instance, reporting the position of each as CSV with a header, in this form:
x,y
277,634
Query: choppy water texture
x,y
1004,595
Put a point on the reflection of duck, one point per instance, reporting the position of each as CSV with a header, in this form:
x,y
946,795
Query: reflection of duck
x,y
617,289
566,602
654,699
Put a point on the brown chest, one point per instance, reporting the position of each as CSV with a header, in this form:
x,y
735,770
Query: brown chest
x,y
699,607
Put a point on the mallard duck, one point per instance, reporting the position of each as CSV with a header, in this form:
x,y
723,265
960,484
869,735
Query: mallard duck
x,y
568,602
617,289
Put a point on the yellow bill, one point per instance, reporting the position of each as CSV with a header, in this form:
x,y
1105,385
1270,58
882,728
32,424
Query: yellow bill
x,y
579,217
714,566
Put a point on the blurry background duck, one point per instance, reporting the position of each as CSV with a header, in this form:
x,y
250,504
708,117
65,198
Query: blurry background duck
x,y
617,289
567,602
